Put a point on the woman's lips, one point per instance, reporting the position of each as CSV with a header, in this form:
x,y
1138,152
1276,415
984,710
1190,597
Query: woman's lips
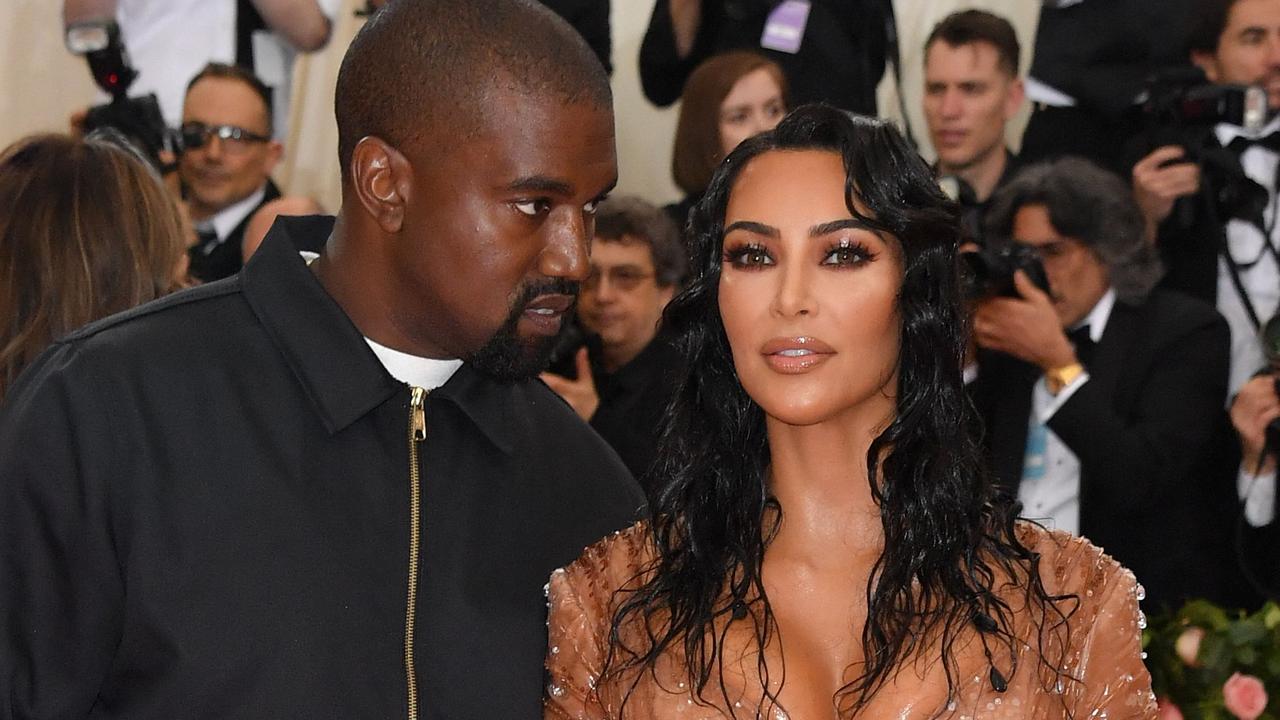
x,y
796,355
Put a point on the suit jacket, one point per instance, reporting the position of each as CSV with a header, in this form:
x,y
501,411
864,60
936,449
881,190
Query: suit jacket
x,y
1143,427
591,19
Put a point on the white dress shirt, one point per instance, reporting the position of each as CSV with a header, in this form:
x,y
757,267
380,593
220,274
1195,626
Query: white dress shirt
x,y
1262,282
1050,487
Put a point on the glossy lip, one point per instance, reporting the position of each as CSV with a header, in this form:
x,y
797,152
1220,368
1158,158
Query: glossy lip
x,y
545,313
795,355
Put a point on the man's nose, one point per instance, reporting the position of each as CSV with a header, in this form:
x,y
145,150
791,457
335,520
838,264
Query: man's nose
x,y
567,252
951,104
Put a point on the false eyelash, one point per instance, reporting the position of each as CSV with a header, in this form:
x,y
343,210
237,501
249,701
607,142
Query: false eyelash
x,y
737,254
861,251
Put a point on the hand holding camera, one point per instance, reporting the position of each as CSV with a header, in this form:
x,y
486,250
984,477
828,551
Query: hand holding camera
x,y
1026,327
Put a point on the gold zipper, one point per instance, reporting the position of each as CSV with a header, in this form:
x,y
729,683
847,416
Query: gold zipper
x,y
417,433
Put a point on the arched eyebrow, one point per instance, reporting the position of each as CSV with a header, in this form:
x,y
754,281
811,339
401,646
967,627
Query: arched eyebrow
x,y
818,230
836,225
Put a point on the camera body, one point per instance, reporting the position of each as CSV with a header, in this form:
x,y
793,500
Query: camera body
x,y
988,272
138,118
1181,106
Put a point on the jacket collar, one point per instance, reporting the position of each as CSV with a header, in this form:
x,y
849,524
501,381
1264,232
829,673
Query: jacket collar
x,y
327,352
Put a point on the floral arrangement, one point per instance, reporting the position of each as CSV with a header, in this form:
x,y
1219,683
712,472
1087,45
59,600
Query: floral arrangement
x,y
1208,664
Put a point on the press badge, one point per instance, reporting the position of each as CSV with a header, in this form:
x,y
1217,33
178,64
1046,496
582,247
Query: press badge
x,y
784,30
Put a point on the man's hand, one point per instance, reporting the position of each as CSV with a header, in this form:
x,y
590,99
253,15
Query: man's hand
x,y
1027,328
1254,407
581,393
1159,179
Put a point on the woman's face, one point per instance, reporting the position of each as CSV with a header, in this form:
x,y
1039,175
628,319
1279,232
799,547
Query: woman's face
x,y
751,107
808,295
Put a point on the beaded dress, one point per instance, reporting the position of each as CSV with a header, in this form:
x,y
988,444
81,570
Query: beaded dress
x,y
1098,646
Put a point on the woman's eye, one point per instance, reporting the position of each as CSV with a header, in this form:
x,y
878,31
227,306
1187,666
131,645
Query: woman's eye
x,y
846,255
750,256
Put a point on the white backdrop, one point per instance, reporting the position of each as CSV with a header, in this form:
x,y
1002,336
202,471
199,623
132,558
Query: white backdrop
x,y
41,84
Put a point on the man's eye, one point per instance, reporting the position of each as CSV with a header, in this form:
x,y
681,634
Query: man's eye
x,y
530,207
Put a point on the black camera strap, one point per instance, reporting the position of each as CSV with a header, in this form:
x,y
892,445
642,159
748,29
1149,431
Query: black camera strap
x,y
1266,227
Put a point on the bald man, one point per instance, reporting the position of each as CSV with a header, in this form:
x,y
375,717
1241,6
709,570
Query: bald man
x,y
335,490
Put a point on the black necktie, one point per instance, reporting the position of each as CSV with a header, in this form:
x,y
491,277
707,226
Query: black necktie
x,y
206,239
1084,344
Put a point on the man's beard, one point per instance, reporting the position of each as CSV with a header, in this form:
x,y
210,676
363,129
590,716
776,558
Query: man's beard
x,y
507,358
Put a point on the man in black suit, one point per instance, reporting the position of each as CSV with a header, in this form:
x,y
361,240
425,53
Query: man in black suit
x,y
226,165
1102,398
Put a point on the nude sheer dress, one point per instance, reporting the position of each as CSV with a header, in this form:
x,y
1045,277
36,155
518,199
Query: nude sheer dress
x,y
1100,651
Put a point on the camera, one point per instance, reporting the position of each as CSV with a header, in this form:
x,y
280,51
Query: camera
x,y
988,272
137,118
1181,101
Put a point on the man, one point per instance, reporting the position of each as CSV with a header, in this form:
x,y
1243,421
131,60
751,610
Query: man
x,y
830,50
226,167
622,386
1102,399
335,490
971,91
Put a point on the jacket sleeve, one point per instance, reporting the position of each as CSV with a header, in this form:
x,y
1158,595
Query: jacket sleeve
x,y
662,70
1171,425
61,587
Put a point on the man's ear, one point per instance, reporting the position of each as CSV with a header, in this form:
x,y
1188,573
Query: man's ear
x,y
1013,101
1206,62
383,181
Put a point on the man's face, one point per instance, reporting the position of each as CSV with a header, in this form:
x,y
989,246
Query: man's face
x,y
1248,49
497,229
621,299
968,99
221,173
1077,277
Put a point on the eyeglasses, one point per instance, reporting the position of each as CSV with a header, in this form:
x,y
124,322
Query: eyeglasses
x,y
234,138
622,277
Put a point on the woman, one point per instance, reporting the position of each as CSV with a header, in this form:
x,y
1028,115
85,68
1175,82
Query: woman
x,y
726,100
87,229
826,543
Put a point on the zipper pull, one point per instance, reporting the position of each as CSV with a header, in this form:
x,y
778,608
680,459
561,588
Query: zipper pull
x,y
417,413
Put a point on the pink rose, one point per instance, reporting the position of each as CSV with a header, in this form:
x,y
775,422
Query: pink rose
x,y
1187,646
1244,696
1168,711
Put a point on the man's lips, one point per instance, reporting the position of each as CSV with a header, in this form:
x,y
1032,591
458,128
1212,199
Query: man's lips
x,y
796,354
545,313
951,137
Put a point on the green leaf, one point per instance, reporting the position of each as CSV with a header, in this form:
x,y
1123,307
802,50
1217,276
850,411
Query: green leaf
x,y
1270,613
1204,614
1247,632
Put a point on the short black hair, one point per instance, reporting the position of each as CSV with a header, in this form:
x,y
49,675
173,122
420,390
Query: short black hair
x,y
244,75
621,218
974,26
424,69
1208,21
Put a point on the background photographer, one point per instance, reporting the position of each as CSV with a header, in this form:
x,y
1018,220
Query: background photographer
x,y
170,41
1102,398
1224,252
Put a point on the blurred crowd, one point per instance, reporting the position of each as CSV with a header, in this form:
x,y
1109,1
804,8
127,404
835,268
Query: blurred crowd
x,y
1123,267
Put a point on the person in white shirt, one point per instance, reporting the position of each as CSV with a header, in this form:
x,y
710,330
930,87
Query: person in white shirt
x,y
170,41
1231,261
1102,398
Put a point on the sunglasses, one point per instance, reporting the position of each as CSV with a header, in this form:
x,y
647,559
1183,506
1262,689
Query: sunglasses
x,y
197,135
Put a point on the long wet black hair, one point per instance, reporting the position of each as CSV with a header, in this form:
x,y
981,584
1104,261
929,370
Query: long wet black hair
x,y
949,536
